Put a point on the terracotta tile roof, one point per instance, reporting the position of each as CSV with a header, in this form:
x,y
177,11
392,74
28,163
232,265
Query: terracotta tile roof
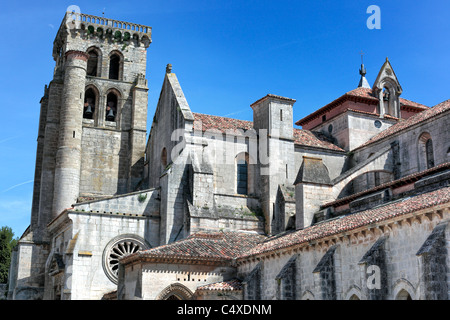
x,y
353,221
301,137
358,95
231,285
367,93
404,124
361,92
410,103
209,122
216,246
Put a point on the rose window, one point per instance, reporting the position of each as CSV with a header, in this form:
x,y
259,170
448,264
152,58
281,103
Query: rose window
x,y
117,249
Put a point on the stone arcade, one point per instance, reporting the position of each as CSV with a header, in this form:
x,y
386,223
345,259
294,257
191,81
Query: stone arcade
x,y
354,205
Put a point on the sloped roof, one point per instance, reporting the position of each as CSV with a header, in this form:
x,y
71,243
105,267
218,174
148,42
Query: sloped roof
x,y
204,245
221,124
358,95
404,124
313,171
231,285
352,221
367,93
315,139
209,122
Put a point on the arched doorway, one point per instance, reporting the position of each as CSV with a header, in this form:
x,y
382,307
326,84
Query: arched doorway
x,y
175,291
403,295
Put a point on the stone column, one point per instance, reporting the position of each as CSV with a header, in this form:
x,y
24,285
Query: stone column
x,y
68,156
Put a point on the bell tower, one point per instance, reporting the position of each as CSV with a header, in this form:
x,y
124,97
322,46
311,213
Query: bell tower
x,y
388,90
93,122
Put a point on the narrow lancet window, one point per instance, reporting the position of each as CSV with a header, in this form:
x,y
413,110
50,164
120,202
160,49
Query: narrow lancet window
x,y
114,67
242,177
429,153
92,63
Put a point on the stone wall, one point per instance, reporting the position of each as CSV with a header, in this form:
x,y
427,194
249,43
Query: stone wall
x,y
145,202
27,271
410,155
308,198
172,113
399,266
351,128
334,161
83,239
151,281
104,166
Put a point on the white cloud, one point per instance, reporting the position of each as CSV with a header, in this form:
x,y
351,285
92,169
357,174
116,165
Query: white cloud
x,y
17,185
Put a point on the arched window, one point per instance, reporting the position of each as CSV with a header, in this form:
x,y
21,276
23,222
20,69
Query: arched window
x,y
111,107
90,99
114,66
429,153
426,154
92,63
242,176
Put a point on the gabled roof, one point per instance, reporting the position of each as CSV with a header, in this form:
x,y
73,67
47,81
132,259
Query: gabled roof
x,y
405,124
352,221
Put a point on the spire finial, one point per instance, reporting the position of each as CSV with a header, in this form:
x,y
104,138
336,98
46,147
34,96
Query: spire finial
x,y
169,68
363,82
362,71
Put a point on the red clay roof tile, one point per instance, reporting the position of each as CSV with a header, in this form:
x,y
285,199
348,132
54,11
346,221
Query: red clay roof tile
x,y
404,124
352,221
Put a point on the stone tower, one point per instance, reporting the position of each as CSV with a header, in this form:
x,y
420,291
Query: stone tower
x,y
93,115
273,120
92,127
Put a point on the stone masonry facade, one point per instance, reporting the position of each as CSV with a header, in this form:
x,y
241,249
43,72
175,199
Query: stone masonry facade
x,y
353,205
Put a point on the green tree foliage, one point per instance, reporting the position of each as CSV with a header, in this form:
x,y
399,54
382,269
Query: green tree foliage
x,y
7,243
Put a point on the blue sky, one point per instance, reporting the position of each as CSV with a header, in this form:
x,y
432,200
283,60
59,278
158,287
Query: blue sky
x,y
226,54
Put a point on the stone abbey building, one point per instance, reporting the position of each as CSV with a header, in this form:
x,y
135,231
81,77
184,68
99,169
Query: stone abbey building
x,y
354,205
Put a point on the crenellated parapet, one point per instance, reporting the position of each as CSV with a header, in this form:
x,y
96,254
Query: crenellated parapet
x,y
92,27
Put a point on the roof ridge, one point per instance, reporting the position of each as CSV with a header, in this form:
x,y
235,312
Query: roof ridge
x,y
212,115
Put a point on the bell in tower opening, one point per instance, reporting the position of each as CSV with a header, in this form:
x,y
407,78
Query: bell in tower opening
x,y
89,104
111,107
